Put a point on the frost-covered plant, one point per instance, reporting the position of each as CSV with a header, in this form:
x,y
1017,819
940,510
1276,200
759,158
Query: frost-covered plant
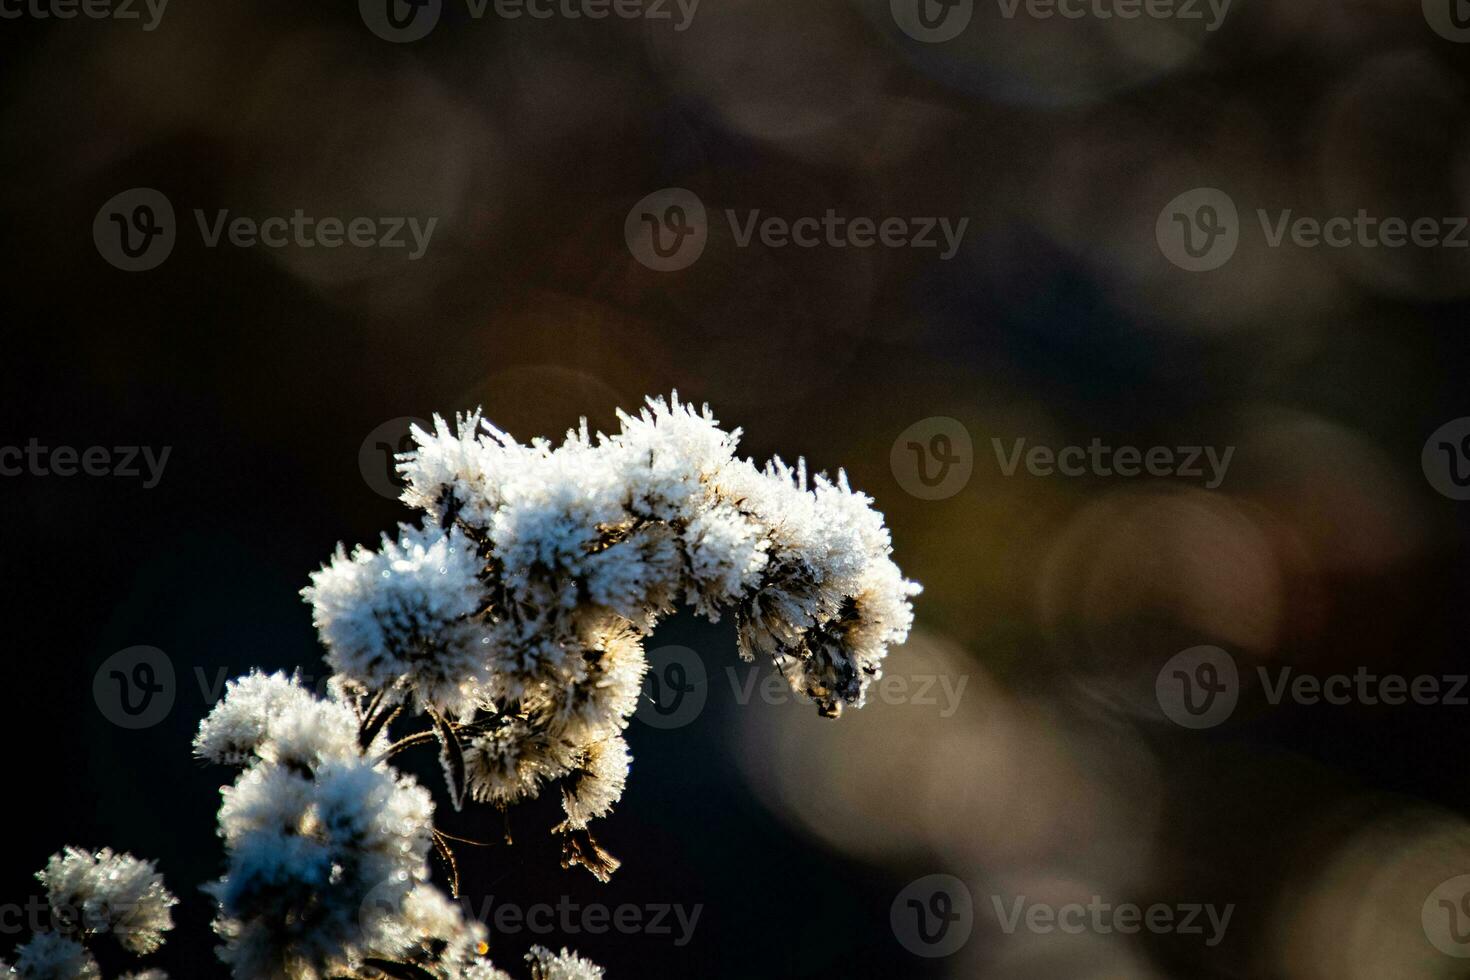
x,y
514,613
510,619
93,895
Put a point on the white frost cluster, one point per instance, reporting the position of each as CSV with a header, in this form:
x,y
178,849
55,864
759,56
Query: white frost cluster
x,y
546,965
596,783
327,846
52,956
513,616
436,930
109,893
401,619
272,718
318,835
539,568
91,895
307,855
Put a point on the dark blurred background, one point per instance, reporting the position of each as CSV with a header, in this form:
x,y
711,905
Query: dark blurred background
x,y
1060,319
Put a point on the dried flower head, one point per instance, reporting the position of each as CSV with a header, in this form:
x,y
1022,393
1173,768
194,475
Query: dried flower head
x,y
105,892
513,618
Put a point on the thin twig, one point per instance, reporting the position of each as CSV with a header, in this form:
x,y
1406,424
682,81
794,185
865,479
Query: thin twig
x,y
427,736
448,856
374,725
465,840
407,742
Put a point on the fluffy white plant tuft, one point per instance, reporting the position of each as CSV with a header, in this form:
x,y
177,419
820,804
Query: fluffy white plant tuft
x,y
546,965
512,617
401,619
112,893
91,895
